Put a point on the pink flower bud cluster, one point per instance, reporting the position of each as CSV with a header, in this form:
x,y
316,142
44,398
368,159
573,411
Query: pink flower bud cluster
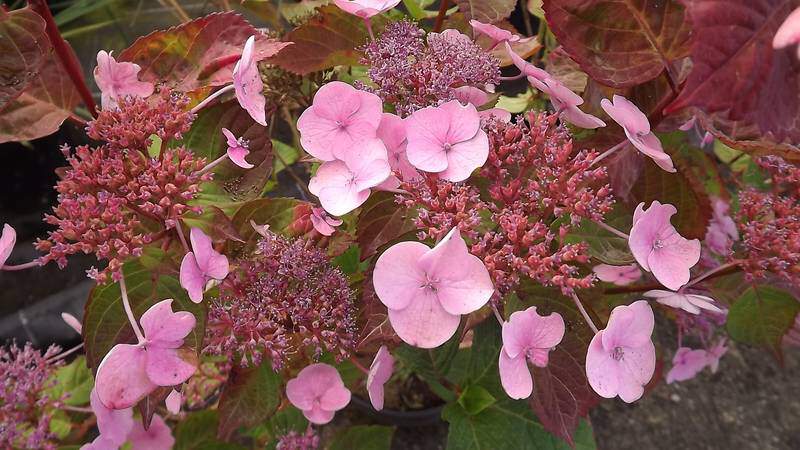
x,y
297,441
26,406
770,223
285,299
412,72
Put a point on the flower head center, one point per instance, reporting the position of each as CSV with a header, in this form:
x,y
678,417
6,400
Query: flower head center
x,y
657,244
430,283
617,353
447,146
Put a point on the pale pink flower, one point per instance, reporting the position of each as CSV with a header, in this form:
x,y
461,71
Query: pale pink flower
x,y
344,184
173,402
496,34
248,85
714,354
72,322
427,290
477,97
366,8
686,364
392,132
238,149
566,102
114,424
319,392
379,373
789,32
527,336
637,129
130,372
621,358
157,437
691,303
721,231
118,80
339,118
323,223
528,69
448,140
7,241
201,265
619,275
658,248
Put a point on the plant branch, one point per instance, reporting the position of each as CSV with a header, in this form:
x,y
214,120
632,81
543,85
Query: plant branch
x,y
127,305
611,229
583,312
437,25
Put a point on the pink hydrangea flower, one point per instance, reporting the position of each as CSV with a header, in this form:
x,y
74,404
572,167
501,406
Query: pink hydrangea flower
x,y
528,69
72,322
392,132
621,358
339,118
319,392
344,184
658,248
323,223
201,265
366,8
691,303
496,34
114,424
238,149
379,373
566,102
157,437
427,290
721,231
118,80
789,32
527,336
619,275
248,85
130,372
637,129
7,241
448,140
173,402
478,97
686,364
714,354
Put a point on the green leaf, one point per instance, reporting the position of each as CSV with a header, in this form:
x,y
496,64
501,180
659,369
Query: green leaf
x,y
75,379
250,396
283,422
60,425
475,399
482,369
283,153
278,213
603,245
350,261
517,103
363,437
431,365
761,316
199,432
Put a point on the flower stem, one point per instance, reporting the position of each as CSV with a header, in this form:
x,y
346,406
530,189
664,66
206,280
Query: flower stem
x,y
711,272
66,353
211,98
497,315
127,305
608,152
583,312
611,229
76,409
368,24
213,164
512,78
179,229
358,365
27,265
437,25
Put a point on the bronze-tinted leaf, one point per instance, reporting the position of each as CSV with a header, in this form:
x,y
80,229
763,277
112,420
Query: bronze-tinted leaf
x,y
24,48
381,221
486,11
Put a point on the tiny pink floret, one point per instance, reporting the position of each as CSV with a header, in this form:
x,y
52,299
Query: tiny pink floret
x,y
201,265
323,223
248,85
238,149
691,303
566,102
318,391
686,364
637,128
118,80
496,34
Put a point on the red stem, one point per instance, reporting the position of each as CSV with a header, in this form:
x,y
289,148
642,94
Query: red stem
x,y
65,54
437,26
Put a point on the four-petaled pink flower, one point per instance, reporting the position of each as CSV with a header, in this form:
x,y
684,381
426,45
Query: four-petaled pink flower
x,y
637,129
721,231
528,69
157,437
478,97
342,185
339,118
566,102
118,80
527,336
238,149
789,32
248,85
691,303
323,223
427,290
392,132
366,8
379,373
7,241
447,139
658,247
686,364
621,358
130,372
319,392
496,34
201,265
619,275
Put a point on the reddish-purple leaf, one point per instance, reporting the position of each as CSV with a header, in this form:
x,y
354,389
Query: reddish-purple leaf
x,y
620,42
197,54
24,48
487,11
381,221
742,88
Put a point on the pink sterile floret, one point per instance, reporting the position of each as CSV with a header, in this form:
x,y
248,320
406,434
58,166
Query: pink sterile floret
x,y
7,241
528,69
448,140
619,275
686,364
527,336
319,392
238,149
130,372
342,185
379,373
621,358
392,132
789,31
114,425
427,290
201,265
566,102
658,247
118,80
323,223
157,437
721,231
496,34
637,129
339,118
366,8
478,97
691,303
248,85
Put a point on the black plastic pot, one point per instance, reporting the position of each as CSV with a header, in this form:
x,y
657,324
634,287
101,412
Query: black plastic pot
x,y
416,418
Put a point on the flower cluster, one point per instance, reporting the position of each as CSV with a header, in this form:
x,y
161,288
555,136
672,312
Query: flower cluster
x,y
770,223
297,441
412,72
442,205
284,299
26,407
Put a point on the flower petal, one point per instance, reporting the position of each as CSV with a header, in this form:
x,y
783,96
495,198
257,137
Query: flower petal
x,y
670,264
379,373
7,241
162,325
424,323
121,379
168,366
113,424
515,376
602,370
466,156
157,437
211,262
192,278
248,85
397,277
629,326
